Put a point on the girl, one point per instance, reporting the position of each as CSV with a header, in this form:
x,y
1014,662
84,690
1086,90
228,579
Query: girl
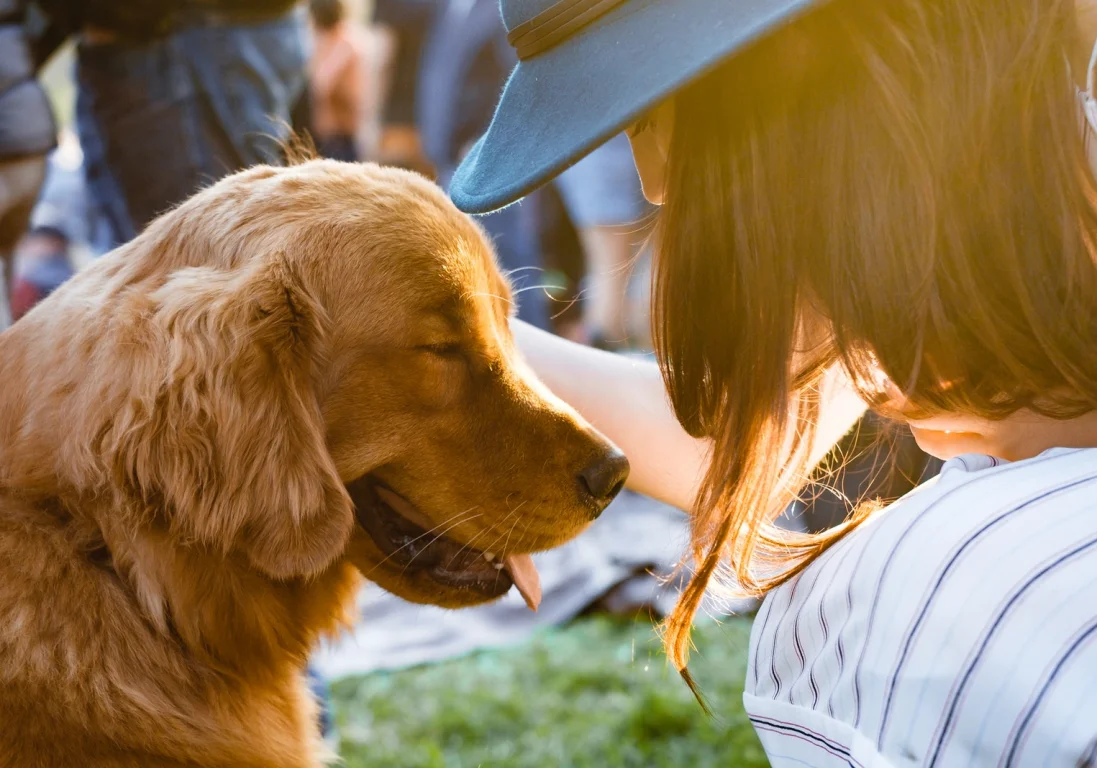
x,y
890,194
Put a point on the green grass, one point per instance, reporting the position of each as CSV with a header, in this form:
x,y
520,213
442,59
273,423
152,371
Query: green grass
x,y
597,694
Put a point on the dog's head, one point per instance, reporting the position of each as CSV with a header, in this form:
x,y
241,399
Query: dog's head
x,y
325,370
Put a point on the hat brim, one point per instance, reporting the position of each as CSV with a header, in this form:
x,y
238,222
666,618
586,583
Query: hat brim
x,y
561,105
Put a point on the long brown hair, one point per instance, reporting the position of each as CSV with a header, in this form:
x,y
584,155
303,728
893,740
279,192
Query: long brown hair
x,y
898,187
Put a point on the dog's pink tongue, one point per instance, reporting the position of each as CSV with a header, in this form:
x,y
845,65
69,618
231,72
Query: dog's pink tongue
x,y
525,576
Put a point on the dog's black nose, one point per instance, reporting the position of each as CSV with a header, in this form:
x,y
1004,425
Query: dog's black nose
x,y
605,478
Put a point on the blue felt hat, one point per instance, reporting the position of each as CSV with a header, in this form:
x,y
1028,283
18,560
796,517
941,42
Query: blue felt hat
x,y
587,69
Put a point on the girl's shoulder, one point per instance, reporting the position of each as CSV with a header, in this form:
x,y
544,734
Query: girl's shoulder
x,y
974,495
973,504
957,613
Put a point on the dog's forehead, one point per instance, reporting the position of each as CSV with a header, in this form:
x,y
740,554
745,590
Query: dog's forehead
x,y
441,269
471,283
380,232
451,257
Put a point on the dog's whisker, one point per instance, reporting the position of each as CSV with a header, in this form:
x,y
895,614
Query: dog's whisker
x,y
475,294
540,287
424,534
404,546
441,529
467,546
442,533
529,519
492,546
477,536
511,532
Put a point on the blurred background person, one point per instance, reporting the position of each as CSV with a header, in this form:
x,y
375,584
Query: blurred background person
x,y
64,201
27,134
42,265
339,83
606,206
172,95
400,29
465,61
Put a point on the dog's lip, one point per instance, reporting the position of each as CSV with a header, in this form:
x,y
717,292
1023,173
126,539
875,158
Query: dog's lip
x,y
402,506
412,545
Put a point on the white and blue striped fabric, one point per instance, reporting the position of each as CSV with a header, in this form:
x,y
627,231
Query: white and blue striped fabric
x,y
958,627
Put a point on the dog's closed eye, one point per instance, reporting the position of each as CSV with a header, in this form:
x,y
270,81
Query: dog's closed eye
x,y
444,349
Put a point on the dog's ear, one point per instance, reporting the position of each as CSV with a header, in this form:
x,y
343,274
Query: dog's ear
x,y
226,434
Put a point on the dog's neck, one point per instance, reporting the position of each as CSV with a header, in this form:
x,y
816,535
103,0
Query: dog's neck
x,y
224,614
217,611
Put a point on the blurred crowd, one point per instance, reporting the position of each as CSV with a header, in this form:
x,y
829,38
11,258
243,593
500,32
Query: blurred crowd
x,y
172,94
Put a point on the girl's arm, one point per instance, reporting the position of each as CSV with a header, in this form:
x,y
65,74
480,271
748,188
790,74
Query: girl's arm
x,y
625,399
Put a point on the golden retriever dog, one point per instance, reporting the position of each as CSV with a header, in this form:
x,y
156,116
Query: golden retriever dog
x,y
299,377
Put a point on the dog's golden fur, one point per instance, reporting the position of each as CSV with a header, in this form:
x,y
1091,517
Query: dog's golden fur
x,y
178,426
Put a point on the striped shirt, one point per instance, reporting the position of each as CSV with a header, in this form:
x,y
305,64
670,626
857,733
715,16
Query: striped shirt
x,y
958,627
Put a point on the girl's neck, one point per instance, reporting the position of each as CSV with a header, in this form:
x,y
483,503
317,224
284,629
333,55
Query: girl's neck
x,y
1021,436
